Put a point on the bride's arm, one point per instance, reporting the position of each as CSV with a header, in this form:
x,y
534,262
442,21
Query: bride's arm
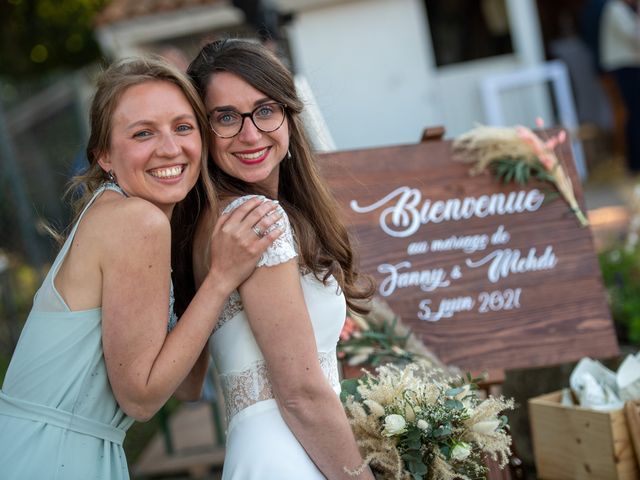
x,y
275,306
146,365
203,246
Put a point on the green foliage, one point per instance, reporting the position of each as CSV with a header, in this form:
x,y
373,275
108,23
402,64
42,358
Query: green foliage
x,y
437,427
349,388
379,344
18,284
447,417
621,276
40,36
520,170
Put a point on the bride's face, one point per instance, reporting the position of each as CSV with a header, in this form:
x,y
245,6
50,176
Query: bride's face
x,y
252,155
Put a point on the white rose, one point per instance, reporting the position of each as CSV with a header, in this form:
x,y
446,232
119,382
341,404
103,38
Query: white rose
x,y
423,425
394,425
461,451
486,427
376,409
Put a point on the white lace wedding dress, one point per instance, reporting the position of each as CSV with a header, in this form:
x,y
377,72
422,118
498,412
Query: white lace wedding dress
x,y
260,445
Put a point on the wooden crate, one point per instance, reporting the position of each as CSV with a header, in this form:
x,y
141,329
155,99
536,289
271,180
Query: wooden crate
x,y
579,443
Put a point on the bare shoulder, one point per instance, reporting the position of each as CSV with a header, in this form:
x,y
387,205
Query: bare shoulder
x,y
116,221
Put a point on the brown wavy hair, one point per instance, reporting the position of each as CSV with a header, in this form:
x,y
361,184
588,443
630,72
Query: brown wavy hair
x,y
323,240
111,85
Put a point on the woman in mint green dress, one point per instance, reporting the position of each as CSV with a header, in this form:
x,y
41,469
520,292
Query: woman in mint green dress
x,y
101,346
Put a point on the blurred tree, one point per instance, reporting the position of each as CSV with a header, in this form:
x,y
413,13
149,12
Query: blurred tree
x,y
42,36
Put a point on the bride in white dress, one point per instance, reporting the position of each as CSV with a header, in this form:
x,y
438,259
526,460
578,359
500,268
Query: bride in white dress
x,y
274,345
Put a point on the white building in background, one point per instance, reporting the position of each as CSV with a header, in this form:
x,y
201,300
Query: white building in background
x,y
379,70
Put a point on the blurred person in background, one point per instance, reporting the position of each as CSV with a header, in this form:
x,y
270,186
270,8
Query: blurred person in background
x,y
620,56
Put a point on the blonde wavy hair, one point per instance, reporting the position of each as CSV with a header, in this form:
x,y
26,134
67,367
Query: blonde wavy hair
x,y
111,85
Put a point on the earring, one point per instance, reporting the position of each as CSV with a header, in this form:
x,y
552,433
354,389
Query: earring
x,y
112,177
288,157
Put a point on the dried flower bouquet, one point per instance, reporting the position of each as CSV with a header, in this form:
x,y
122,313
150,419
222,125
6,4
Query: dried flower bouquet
x,y
518,154
412,423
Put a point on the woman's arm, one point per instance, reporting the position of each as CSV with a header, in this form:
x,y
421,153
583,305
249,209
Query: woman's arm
x,y
145,364
275,306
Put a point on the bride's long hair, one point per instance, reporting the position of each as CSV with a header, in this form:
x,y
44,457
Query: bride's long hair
x,y
323,240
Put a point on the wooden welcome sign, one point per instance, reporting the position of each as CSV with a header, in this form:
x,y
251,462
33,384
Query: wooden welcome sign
x,y
489,275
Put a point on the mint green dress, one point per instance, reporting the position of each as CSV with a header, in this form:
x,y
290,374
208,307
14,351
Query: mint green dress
x,y
59,419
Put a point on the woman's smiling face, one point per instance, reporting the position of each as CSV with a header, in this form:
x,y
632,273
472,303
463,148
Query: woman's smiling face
x,y
252,155
155,144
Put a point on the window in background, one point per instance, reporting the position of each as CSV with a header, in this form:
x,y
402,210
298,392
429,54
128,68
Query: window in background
x,y
464,30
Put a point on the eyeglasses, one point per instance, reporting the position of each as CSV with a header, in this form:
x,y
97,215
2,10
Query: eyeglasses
x,y
267,117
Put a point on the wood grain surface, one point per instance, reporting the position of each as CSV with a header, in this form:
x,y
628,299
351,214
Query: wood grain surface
x,y
557,314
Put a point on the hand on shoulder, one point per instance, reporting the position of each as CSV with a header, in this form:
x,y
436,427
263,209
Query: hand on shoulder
x,y
239,237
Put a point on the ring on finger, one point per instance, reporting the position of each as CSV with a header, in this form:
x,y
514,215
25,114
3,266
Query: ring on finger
x,y
258,231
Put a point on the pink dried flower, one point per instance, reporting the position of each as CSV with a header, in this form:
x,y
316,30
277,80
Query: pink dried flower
x,y
542,150
348,329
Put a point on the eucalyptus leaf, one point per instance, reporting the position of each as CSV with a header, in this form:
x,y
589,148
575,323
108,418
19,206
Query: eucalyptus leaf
x,y
349,387
452,392
445,450
414,440
418,468
442,431
504,421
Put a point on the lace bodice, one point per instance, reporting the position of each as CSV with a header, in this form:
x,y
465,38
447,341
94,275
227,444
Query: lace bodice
x,y
243,372
252,385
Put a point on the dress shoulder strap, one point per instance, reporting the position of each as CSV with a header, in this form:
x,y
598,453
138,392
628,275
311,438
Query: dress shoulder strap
x,y
48,298
65,247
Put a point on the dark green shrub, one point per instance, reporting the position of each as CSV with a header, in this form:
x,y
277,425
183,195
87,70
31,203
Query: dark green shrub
x,y
621,275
